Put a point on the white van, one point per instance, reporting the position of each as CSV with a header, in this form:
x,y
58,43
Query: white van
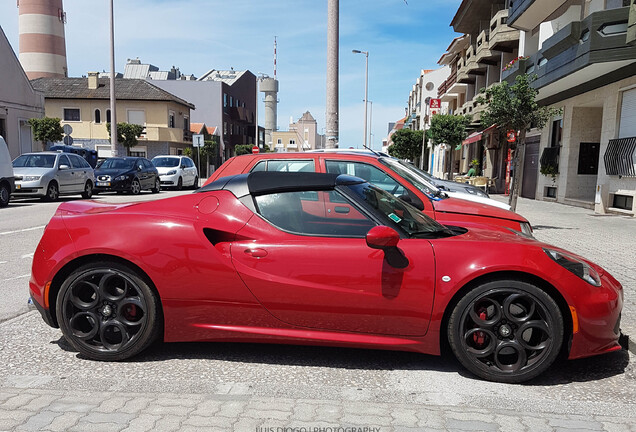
x,y
7,183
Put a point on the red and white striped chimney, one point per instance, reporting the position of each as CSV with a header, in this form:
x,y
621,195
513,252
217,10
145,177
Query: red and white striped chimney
x,y
42,42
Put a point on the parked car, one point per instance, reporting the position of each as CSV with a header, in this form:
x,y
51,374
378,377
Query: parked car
x,y
126,174
386,172
176,171
50,174
89,155
324,259
7,182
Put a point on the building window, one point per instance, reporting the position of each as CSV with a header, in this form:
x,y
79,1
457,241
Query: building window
x,y
98,116
108,116
231,101
292,142
224,128
238,103
624,202
186,123
171,121
557,132
225,102
71,114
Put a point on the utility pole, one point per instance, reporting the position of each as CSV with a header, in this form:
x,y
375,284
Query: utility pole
x,y
331,116
113,111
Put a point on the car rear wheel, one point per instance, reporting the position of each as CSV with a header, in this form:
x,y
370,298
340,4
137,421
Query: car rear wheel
x,y
52,192
507,331
5,195
108,312
135,187
157,187
88,190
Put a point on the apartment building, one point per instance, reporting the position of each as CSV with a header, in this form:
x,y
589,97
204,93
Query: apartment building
x,y
84,104
302,136
584,55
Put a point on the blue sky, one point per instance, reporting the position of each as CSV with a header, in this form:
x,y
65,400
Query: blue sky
x,y
198,35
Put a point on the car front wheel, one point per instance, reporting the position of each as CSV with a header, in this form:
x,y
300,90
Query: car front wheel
x,y
157,187
108,312
135,187
507,331
88,190
52,192
5,195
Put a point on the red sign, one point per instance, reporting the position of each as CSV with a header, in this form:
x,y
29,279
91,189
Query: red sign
x,y
511,136
436,103
507,191
255,149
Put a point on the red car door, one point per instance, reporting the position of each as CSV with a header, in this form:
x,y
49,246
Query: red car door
x,y
335,281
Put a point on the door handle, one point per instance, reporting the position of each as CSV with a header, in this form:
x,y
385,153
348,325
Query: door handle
x,y
342,209
256,253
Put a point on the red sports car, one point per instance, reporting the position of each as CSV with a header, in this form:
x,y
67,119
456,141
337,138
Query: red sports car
x,y
321,259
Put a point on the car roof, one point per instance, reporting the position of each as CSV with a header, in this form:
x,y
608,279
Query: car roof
x,y
264,182
313,154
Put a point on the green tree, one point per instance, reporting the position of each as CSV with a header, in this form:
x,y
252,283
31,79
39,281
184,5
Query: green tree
x,y
242,149
450,130
407,144
127,134
514,107
47,129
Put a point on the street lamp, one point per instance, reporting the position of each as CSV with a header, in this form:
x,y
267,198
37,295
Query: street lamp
x,y
370,125
366,91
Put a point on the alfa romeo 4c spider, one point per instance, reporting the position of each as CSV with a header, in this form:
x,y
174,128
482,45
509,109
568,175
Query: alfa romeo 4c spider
x,y
317,259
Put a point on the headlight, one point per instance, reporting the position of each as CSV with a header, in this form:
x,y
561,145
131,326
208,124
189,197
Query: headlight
x,y
122,177
31,178
171,172
526,229
576,266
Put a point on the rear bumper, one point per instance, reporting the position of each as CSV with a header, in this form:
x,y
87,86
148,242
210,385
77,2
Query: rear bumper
x,y
45,313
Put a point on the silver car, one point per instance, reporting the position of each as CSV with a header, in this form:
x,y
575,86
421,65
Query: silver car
x,y
51,174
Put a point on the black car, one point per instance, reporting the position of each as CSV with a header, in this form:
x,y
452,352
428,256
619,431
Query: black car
x,y
126,174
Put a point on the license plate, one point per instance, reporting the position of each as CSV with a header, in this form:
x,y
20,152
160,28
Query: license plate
x,y
103,183
18,186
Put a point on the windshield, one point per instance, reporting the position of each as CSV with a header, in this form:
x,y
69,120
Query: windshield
x,y
396,213
117,164
34,161
408,172
165,162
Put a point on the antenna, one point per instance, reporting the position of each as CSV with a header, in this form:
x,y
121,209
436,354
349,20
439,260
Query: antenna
x,y
275,57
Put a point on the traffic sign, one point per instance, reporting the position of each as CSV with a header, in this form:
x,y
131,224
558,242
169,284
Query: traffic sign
x,y
68,140
436,103
511,136
68,129
197,140
255,149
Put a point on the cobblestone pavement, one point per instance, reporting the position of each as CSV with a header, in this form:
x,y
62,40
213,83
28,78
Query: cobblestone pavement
x,y
46,386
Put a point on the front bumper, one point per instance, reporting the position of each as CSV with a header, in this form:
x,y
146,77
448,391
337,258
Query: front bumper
x,y
30,188
120,185
169,180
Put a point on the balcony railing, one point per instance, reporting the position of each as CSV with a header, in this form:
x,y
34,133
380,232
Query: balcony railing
x,y
550,158
446,85
619,157
503,37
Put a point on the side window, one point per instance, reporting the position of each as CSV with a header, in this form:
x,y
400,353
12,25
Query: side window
x,y
63,161
290,165
76,161
367,172
147,163
297,213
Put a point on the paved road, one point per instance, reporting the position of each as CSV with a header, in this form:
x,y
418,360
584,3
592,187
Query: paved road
x,y
45,385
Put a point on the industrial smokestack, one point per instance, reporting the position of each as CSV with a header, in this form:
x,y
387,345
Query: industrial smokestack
x,y
42,41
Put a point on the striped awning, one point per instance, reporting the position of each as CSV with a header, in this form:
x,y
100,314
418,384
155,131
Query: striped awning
x,y
473,137
619,157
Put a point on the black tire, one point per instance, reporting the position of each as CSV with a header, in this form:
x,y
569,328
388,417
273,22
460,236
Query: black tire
x,y
108,312
88,190
180,184
195,185
52,192
157,187
506,331
135,187
5,195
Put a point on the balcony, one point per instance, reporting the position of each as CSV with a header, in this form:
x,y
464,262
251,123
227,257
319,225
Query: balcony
x,y
619,157
154,133
471,59
447,84
585,55
519,66
478,110
528,14
483,54
503,37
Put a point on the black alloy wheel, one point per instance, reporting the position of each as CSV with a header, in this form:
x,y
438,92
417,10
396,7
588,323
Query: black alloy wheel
x,y
108,312
135,187
52,191
507,331
157,187
5,195
88,190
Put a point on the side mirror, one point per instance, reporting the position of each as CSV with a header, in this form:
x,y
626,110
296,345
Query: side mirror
x,y
183,166
63,167
386,238
139,168
382,237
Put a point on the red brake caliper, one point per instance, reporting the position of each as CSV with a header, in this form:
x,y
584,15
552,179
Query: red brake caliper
x,y
480,337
